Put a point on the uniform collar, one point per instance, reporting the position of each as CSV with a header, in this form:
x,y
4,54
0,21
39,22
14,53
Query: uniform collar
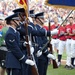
x,y
13,29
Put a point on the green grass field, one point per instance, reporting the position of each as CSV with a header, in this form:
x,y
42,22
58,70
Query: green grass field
x,y
59,71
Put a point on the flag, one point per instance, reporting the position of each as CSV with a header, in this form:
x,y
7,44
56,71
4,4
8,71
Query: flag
x,y
22,3
62,3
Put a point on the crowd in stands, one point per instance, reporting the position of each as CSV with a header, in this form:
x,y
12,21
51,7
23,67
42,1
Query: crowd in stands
x,y
6,7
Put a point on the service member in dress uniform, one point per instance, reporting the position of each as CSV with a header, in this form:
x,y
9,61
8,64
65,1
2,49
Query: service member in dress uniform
x,y
14,56
42,59
21,29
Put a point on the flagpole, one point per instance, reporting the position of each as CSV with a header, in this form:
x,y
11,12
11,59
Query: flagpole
x,y
27,8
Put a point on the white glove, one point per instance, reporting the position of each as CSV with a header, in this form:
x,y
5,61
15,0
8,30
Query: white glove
x,y
32,50
51,56
30,43
29,62
24,44
55,31
39,53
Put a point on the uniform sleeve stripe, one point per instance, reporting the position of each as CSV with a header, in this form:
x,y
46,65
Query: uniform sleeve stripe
x,y
45,51
45,32
22,57
30,26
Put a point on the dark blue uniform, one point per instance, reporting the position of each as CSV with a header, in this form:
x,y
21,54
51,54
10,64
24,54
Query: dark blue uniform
x,y
14,56
22,31
42,60
41,39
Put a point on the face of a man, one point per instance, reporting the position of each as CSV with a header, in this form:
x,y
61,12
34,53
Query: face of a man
x,y
34,21
71,20
40,21
21,16
55,20
13,23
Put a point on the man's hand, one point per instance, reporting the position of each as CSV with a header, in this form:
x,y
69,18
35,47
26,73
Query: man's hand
x,y
55,31
29,62
39,53
32,50
51,56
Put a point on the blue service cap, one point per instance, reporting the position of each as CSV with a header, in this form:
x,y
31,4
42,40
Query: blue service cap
x,y
19,10
39,15
12,17
32,15
31,11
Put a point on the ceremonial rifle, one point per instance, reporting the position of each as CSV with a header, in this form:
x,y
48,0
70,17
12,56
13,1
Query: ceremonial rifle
x,y
51,50
34,70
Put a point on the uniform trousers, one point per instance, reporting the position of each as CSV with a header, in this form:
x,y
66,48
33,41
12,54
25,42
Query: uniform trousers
x,y
14,71
68,51
42,67
61,47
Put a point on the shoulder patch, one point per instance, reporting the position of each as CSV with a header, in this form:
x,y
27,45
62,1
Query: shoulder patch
x,y
12,40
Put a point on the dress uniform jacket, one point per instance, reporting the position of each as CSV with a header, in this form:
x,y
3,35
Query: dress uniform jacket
x,y
14,55
42,42
42,60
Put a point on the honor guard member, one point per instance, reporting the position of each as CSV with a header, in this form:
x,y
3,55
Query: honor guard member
x,y
68,43
3,48
42,59
20,28
62,42
15,53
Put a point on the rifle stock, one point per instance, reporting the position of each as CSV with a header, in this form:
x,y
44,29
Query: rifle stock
x,y
51,50
54,61
34,70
